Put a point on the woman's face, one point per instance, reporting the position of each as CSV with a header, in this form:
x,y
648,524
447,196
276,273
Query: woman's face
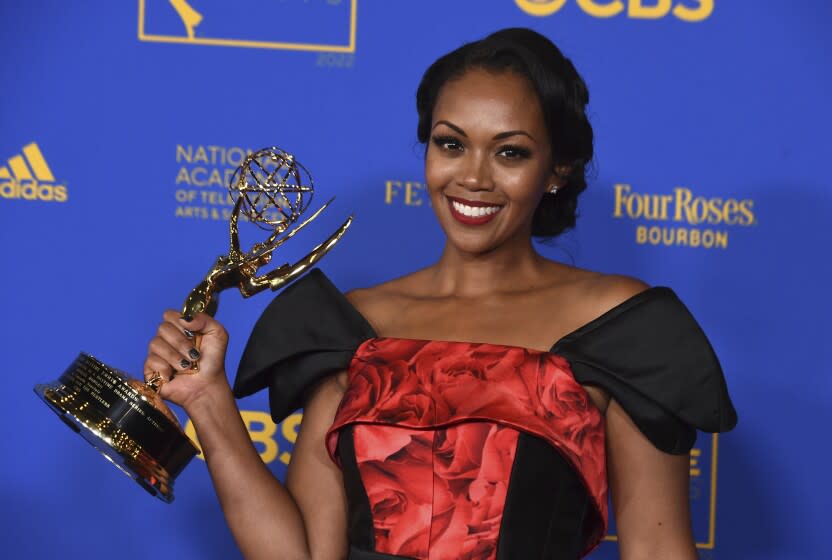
x,y
488,159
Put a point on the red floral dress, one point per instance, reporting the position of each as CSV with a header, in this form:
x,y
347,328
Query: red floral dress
x,y
435,427
462,450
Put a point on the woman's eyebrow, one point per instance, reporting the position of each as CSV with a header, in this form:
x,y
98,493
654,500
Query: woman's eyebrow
x,y
453,126
499,136
508,133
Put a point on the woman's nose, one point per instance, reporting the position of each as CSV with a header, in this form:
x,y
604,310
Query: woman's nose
x,y
476,173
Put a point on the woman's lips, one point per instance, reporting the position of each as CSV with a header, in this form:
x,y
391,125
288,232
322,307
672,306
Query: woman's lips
x,y
472,213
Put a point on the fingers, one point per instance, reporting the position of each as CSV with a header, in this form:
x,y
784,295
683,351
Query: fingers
x,y
169,355
201,323
173,348
157,371
188,342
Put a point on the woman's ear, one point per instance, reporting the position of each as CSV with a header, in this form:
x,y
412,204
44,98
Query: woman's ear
x,y
560,176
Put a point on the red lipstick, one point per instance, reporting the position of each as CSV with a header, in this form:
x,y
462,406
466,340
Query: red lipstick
x,y
471,220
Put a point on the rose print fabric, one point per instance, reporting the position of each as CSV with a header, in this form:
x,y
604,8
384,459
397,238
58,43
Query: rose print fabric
x,y
436,493
435,428
413,407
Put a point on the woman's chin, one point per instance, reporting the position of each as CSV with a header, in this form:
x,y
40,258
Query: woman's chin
x,y
473,243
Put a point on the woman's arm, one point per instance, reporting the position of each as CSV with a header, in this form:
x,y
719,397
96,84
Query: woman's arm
x,y
305,521
649,493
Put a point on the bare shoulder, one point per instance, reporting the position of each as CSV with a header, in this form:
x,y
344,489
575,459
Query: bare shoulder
x,y
593,293
378,303
611,290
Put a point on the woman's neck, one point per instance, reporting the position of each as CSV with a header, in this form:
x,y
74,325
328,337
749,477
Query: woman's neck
x,y
503,270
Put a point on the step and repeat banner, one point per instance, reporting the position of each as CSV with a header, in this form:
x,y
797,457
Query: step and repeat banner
x,y
121,123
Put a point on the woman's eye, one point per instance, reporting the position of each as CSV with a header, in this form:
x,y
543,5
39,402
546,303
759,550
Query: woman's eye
x,y
447,143
514,152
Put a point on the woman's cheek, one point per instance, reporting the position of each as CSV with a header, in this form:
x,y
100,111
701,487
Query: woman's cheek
x,y
438,173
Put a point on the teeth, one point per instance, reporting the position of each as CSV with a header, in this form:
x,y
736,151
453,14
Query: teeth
x,y
474,211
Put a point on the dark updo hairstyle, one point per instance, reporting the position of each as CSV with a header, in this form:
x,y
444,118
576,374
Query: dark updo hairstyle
x,y
563,98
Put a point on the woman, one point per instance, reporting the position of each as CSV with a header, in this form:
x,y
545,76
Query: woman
x,y
439,420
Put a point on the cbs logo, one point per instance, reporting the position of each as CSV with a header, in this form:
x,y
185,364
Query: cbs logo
x,y
685,10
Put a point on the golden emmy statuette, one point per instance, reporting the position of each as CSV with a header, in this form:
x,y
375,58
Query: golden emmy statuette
x,y
126,419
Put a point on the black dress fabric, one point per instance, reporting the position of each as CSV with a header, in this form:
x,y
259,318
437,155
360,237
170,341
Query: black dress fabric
x,y
648,352
652,357
308,332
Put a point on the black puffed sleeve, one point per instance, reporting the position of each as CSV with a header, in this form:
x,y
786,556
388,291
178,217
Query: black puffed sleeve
x,y
652,357
308,332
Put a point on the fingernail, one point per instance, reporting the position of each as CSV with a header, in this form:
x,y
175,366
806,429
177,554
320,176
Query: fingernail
x,y
189,334
193,353
187,318
184,364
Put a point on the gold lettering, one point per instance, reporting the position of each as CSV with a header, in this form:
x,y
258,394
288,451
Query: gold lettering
x,y
681,236
683,198
264,436
702,11
236,156
639,206
654,235
228,174
8,190
289,429
191,212
218,198
695,454
183,176
641,235
46,192
637,9
391,190
729,212
198,176
60,193
621,192
183,154
201,155
540,8
593,8
411,194
700,211
215,178
714,212
214,151
746,209
666,198
722,239
652,207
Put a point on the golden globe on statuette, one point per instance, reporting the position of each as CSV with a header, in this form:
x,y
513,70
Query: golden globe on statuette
x,y
126,419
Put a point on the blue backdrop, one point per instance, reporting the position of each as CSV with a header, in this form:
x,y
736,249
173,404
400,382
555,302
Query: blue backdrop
x,y
121,120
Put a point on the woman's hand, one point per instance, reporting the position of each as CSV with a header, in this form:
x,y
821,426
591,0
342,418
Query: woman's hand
x,y
172,352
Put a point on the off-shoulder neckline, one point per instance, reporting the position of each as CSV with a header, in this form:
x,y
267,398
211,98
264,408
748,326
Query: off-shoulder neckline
x,y
610,314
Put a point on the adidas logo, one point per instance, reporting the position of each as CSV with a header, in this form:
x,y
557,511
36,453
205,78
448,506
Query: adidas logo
x,y
28,177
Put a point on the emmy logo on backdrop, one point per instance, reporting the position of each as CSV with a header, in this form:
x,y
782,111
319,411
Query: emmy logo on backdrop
x,y
126,419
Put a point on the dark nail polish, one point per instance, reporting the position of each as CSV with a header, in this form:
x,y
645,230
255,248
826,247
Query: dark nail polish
x,y
187,318
193,353
189,334
185,364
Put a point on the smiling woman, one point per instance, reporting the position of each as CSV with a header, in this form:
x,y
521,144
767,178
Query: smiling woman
x,y
521,75
482,407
